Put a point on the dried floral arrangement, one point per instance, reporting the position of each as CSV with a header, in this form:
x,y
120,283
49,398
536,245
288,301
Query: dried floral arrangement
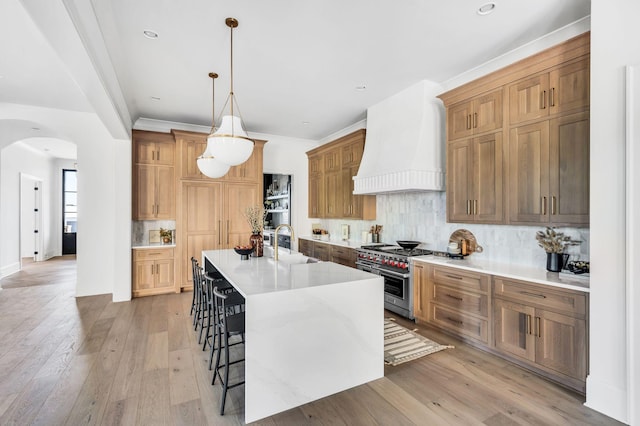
x,y
554,242
255,216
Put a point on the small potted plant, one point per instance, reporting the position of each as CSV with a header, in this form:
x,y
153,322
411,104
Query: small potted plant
x,y
166,235
255,216
554,243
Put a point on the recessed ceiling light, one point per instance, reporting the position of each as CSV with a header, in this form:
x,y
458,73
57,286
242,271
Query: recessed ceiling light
x,y
155,98
306,123
361,88
35,129
486,8
150,34
46,149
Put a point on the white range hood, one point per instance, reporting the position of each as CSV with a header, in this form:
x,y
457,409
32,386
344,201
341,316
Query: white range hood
x,y
405,146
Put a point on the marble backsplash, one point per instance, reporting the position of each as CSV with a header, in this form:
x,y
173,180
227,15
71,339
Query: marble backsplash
x,y
140,230
421,216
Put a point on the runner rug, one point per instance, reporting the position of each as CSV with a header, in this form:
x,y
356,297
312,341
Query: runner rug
x,y
402,345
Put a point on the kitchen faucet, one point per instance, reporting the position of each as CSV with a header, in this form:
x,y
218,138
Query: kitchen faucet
x,y
275,237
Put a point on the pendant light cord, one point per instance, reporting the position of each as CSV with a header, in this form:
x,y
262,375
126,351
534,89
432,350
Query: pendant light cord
x,y
231,93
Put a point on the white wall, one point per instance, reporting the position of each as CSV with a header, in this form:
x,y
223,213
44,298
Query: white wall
x,y
16,159
614,36
27,215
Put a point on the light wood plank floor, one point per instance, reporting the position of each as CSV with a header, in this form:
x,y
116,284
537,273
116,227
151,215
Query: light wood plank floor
x,y
67,360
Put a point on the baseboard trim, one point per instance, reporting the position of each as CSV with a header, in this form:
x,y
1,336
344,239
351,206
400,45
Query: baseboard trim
x,y
607,399
11,269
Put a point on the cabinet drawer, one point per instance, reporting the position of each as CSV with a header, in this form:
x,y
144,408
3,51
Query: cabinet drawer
x,y
463,325
153,254
321,251
343,252
461,279
537,295
472,303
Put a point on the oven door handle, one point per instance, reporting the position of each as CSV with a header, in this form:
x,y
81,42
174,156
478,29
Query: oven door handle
x,y
381,271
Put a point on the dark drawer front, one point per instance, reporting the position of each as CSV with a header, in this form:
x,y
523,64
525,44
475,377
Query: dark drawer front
x,y
322,251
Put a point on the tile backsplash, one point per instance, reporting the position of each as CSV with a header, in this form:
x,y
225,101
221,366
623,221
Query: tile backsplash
x,y
140,230
421,216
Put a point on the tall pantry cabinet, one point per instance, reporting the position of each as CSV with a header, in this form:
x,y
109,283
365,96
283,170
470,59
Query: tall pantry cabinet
x,y
518,141
211,213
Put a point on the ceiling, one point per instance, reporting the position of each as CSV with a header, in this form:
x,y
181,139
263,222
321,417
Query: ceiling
x,y
297,65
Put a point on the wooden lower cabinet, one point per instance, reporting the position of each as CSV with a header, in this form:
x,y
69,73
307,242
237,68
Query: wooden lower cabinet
x,y
305,247
328,252
322,251
539,327
343,255
545,328
153,271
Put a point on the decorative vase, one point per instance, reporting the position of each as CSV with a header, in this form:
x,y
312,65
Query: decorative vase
x,y
166,240
257,242
556,261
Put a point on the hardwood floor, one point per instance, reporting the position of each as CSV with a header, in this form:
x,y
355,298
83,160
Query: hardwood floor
x,y
67,360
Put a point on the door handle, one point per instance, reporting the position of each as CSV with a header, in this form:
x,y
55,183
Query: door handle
x,y
475,120
552,95
475,207
553,204
528,324
227,232
538,328
544,99
219,232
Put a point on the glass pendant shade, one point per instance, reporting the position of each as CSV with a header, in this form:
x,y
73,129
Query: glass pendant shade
x,y
210,166
230,144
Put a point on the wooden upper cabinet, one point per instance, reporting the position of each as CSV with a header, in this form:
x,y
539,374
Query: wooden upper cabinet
x,y
191,148
564,88
250,170
153,148
331,170
153,195
569,169
478,115
529,173
474,180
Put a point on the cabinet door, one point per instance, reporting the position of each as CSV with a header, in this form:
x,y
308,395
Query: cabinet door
x,y
333,191
513,329
569,87
165,153
316,164
569,169
144,275
237,197
459,188
332,160
459,121
144,197
529,173
560,343
164,276
201,223
487,112
487,179
305,247
322,251
352,154
165,193
528,99
247,171
144,152
420,291
316,196
190,151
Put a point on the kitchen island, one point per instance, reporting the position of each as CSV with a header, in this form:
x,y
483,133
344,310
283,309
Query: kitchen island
x,y
312,329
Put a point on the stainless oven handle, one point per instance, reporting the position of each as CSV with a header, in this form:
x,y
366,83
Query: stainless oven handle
x,y
391,273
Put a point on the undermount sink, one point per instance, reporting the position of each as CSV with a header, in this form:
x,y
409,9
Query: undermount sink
x,y
289,257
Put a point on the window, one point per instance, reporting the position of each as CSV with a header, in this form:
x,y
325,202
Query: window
x,y
70,201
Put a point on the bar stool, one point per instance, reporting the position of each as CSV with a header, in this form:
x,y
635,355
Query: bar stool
x,y
194,299
224,287
229,320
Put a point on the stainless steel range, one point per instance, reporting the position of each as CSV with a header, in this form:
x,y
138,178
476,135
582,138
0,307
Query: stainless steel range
x,y
392,263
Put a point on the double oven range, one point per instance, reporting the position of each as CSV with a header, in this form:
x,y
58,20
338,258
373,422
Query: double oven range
x,y
393,264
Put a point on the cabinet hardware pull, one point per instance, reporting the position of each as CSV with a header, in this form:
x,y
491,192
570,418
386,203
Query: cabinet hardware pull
x,y
528,323
475,207
454,297
455,320
552,101
468,208
544,206
153,155
475,120
227,232
454,277
153,269
553,204
158,156
539,296
154,254
538,329
467,126
219,232
544,99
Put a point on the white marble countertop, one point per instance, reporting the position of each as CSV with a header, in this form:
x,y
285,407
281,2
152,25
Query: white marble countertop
x,y
152,246
519,272
259,275
342,243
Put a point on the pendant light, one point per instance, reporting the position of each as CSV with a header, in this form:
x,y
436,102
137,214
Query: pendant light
x,y
230,144
208,165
